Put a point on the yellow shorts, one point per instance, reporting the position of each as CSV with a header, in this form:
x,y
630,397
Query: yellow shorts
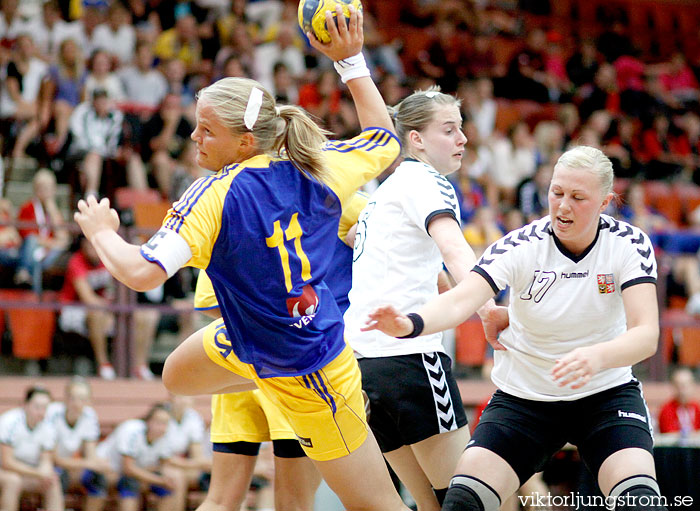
x,y
247,417
324,408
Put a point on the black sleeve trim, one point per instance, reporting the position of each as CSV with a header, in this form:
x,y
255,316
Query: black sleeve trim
x,y
487,277
640,280
446,211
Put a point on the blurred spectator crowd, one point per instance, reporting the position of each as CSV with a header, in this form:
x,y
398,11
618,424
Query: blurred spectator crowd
x,y
98,96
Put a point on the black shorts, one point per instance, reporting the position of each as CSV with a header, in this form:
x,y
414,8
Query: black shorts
x,y
412,397
527,433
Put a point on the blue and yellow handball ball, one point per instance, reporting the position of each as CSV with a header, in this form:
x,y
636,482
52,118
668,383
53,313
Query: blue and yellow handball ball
x,y
312,15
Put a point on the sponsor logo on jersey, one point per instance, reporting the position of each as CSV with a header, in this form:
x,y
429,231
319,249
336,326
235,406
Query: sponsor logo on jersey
x,y
306,442
631,415
304,304
606,284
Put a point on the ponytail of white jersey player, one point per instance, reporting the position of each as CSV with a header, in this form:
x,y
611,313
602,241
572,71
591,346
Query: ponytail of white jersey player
x,y
583,310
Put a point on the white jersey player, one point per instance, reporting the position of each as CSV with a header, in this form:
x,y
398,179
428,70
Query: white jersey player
x,y
583,310
138,450
77,431
408,229
27,442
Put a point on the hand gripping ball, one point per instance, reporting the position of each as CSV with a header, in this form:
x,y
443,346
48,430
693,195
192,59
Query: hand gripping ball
x,y
312,15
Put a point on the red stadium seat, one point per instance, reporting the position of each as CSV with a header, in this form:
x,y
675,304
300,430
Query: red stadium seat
x,y
125,198
32,329
150,214
689,348
662,197
507,115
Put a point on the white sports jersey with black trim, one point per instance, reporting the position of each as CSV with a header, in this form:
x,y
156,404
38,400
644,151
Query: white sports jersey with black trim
x,y
27,444
395,260
70,439
129,439
560,302
190,430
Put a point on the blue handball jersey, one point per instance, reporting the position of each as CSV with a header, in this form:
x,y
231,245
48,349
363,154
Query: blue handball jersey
x,y
265,234
339,276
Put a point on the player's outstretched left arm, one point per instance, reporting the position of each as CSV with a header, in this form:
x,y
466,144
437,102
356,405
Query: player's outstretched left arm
x,y
442,312
638,343
99,223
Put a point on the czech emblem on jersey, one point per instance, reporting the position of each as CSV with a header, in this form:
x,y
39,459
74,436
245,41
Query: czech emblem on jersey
x,y
606,284
304,305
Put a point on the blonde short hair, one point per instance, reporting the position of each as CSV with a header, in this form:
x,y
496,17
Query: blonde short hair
x,y
590,159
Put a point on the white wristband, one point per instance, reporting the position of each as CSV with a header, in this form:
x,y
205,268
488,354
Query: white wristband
x,y
352,67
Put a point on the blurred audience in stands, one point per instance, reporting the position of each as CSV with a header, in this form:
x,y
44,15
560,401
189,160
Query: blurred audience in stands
x,y
532,193
96,132
514,159
482,230
61,93
682,413
48,239
163,140
444,59
10,240
19,98
88,282
100,76
116,35
186,171
144,85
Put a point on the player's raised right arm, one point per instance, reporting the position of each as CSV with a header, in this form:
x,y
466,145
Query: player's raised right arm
x,y
345,49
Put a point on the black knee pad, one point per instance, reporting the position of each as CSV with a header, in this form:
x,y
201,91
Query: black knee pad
x,y
467,493
637,493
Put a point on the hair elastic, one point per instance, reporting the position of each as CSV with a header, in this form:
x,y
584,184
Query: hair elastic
x,y
252,109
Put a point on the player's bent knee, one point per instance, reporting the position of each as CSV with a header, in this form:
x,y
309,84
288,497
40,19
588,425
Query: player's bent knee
x,y
637,493
467,493
171,381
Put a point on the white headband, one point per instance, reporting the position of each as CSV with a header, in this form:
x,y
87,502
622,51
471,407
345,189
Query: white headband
x,y
252,109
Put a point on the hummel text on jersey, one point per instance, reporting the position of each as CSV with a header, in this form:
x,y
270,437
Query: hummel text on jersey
x,y
631,415
574,275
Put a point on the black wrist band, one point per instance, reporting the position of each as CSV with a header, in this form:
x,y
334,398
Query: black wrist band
x,y
417,325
